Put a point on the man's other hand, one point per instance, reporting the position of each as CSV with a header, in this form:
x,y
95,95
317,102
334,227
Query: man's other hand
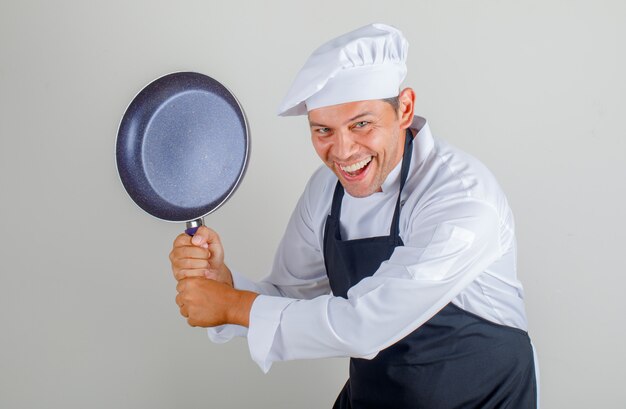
x,y
200,256
208,303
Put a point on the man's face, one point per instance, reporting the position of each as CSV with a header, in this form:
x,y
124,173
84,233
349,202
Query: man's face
x,y
361,142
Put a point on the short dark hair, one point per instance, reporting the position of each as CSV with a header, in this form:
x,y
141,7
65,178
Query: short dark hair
x,y
394,102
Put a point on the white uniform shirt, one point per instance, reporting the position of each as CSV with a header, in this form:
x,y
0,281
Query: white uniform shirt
x,y
459,246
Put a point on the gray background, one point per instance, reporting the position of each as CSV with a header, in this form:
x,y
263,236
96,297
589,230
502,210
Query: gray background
x,y
535,89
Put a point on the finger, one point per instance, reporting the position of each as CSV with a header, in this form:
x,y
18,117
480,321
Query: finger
x,y
188,285
182,239
179,300
184,311
183,274
190,263
215,276
205,235
188,258
190,252
211,275
201,236
215,247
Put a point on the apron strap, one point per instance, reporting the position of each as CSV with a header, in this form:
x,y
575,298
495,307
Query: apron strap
x,y
335,209
404,172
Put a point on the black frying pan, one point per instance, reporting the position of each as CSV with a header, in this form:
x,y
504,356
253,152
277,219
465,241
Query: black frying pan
x,y
182,147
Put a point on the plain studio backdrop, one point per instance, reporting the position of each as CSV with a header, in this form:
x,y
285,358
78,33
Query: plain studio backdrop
x,y
535,89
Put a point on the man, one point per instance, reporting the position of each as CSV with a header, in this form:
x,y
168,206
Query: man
x,y
400,253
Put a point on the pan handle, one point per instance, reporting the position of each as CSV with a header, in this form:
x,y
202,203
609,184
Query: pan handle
x,y
192,226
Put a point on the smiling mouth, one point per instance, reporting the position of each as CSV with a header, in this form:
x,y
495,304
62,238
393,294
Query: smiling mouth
x,y
356,168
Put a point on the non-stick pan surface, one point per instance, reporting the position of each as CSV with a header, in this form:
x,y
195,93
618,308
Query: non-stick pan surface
x,y
182,146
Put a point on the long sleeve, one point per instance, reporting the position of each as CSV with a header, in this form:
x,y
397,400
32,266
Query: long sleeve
x,y
448,244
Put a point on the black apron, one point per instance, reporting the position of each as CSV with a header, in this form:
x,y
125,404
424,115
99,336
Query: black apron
x,y
454,360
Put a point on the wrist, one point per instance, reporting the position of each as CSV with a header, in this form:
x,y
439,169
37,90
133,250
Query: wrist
x,y
239,312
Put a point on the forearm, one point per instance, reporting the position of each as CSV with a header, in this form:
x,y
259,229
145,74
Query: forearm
x,y
374,317
241,305
404,293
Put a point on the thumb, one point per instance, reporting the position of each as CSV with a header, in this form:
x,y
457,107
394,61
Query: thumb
x,y
209,239
201,237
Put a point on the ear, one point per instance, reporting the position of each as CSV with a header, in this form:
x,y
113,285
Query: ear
x,y
406,100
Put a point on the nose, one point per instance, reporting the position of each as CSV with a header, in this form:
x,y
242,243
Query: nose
x,y
344,146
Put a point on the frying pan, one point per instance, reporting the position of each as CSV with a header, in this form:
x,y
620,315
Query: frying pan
x,y
182,147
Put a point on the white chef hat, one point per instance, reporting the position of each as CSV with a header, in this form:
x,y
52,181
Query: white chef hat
x,y
367,63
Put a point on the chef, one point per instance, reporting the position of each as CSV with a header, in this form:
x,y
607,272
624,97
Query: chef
x,y
400,253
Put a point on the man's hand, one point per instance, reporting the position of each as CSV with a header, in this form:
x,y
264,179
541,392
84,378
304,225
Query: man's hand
x,y
208,303
200,256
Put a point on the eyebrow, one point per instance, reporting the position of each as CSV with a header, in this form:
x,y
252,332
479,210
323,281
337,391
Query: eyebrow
x,y
354,118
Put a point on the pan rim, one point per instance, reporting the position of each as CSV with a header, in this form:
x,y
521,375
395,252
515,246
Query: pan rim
x,y
244,166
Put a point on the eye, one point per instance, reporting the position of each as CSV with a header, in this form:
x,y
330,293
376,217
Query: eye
x,y
361,124
322,131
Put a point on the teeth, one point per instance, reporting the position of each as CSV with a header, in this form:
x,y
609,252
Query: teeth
x,y
356,166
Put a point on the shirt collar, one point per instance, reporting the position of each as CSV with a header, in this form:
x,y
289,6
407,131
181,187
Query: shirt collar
x,y
423,142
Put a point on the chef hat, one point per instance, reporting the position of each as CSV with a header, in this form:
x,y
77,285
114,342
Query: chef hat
x,y
367,63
